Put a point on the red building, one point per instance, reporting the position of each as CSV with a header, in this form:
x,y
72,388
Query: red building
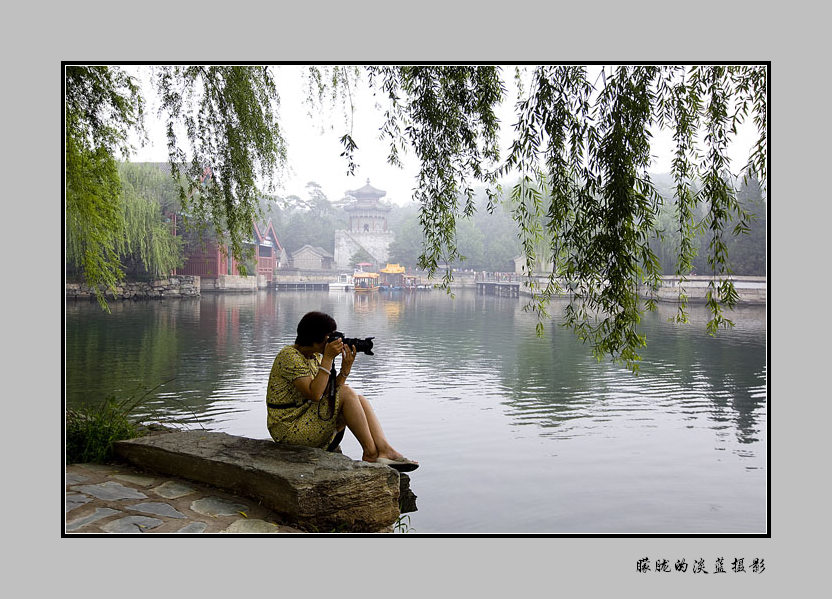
x,y
268,250
208,258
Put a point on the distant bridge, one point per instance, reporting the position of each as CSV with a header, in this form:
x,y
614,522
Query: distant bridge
x,y
498,283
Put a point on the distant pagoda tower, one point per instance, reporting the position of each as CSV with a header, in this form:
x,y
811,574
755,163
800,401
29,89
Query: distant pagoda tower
x,y
367,227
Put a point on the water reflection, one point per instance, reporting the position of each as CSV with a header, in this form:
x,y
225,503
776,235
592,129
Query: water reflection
x,y
553,381
219,350
468,378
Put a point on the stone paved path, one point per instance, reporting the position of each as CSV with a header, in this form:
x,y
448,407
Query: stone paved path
x,y
120,499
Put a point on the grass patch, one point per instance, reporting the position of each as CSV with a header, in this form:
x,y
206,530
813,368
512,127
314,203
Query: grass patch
x,y
402,524
92,431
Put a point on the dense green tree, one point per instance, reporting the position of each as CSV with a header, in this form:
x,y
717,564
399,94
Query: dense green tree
x,y
312,220
471,243
499,234
304,227
407,244
363,256
148,247
152,181
220,118
487,241
746,249
102,106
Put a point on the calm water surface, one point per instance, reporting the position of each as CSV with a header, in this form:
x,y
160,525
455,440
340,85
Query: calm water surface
x,y
514,433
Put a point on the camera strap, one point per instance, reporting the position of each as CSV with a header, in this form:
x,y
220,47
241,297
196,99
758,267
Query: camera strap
x,y
329,392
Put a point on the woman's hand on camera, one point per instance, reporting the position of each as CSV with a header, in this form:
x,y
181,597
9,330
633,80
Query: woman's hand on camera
x,y
347,358
333,348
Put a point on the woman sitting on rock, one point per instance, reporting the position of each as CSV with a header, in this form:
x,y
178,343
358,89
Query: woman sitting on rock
x,y
301,412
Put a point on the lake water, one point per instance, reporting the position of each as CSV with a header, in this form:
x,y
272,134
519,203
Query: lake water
x,y
514,433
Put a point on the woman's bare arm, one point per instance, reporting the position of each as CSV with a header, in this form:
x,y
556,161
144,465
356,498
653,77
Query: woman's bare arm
x,y
312,387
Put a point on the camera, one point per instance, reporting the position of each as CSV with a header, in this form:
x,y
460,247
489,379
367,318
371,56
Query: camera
x,y
361,345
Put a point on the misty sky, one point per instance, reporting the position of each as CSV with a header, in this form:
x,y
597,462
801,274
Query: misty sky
x,y
314,150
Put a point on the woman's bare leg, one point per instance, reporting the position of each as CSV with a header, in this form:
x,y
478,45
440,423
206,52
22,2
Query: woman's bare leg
x,y
356,421
382,445
361,419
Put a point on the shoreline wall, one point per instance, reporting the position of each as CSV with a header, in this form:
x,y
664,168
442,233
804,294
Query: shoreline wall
x,y
234,283
751,290
173,286
298,275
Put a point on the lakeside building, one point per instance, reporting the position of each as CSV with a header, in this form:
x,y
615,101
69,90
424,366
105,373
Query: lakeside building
x,y
208,258
311,258
367,227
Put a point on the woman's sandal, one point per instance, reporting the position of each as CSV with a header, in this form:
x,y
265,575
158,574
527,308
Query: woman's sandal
x,y
402,464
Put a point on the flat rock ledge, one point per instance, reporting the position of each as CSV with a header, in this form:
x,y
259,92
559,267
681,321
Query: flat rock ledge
x,y
313,489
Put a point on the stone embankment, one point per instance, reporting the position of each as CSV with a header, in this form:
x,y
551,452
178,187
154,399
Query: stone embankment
x,y
307,488
234,283
750,290
171,287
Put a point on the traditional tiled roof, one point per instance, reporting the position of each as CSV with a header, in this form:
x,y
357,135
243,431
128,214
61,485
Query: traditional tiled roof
x,y
314,249
367,192
266,234
393,269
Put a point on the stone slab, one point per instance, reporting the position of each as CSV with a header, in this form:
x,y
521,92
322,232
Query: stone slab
x,y
194,528
214,506
74,500
74,478
172,489
252,526
157,508
136,479
310,488
110,491
131,525
407,498
98,514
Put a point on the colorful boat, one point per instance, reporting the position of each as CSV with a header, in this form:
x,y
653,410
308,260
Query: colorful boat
x,y
392,276
365,282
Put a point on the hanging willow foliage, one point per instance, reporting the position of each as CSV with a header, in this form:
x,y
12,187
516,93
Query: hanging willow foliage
x,y
584,200
102,105
147,238
449,121
229,122
220,117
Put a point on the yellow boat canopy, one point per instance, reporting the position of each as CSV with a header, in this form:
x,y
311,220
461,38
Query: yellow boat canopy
x,y
393,269
365,275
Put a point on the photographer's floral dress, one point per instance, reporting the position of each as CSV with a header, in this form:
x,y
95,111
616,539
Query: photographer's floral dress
x,y
292,418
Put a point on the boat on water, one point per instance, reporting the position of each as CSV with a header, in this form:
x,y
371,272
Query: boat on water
x,y
345,282
391,277
365,282
410,282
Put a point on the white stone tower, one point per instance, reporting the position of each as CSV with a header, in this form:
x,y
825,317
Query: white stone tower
x,y
367,228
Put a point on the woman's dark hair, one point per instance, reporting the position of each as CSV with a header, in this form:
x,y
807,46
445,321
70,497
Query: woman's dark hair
x,y
315,327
